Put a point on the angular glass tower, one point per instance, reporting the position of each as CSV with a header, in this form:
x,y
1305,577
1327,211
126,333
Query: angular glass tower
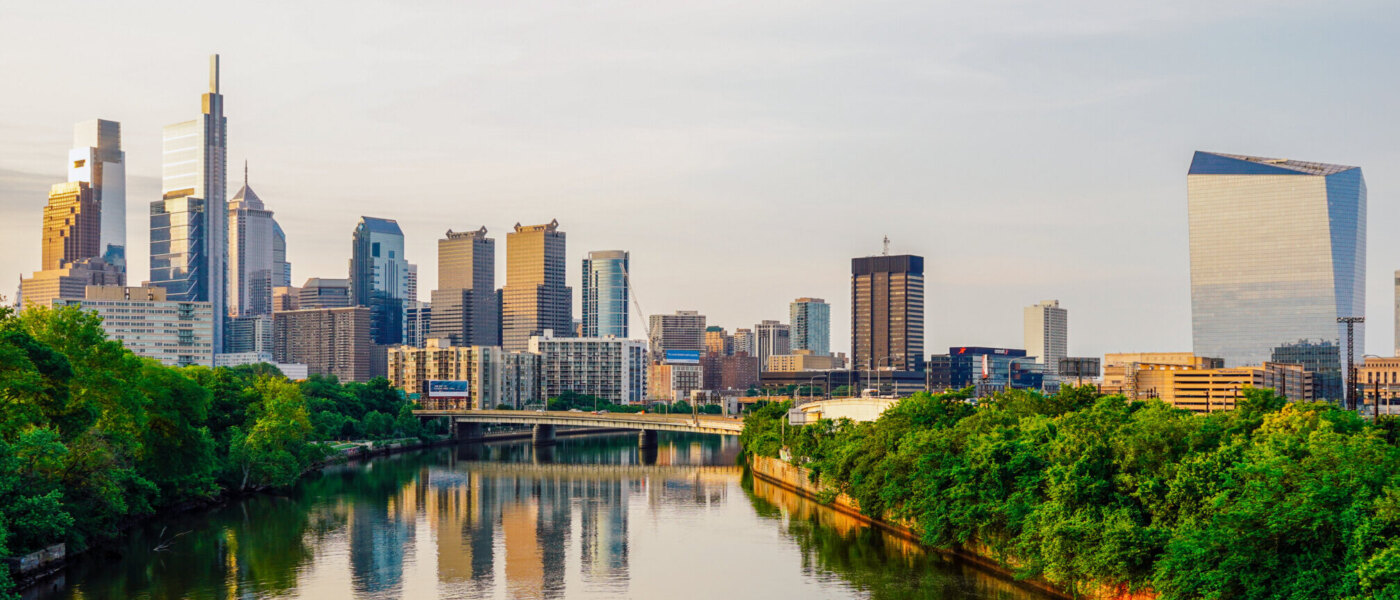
x,y
97,158
1278,253
379,276
605,294
811,325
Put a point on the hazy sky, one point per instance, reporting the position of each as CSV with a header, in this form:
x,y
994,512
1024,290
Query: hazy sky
x,y
742,151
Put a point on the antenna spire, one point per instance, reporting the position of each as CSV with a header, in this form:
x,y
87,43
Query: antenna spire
x,y
886,250
245,172
213,73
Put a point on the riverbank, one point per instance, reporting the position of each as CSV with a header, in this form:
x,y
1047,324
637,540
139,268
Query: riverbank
x,y
798,481
34,584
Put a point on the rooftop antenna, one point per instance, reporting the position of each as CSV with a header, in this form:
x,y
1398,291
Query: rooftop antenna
x,y
886,251
245,172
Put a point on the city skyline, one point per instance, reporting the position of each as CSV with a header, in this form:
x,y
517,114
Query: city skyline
x,y
984,269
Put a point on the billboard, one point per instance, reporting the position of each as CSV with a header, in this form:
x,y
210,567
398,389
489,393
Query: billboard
x,y
443,388
688,357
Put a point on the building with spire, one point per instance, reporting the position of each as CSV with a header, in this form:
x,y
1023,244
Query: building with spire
x,y
97,160
252,267
189,244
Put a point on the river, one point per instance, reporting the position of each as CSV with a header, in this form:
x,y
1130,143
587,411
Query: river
x,y
592,517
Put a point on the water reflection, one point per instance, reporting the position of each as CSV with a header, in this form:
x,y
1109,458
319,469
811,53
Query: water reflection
x,y
594,517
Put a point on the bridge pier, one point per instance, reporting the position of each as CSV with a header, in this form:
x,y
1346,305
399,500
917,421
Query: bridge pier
x,y
542,435
467,432
646,438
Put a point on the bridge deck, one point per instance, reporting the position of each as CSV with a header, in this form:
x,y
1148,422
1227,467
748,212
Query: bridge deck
x,y
655,422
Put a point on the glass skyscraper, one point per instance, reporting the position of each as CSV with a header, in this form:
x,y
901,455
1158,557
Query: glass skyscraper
x,y
97,158
1278,254
811,325
605,294
379,277
189,227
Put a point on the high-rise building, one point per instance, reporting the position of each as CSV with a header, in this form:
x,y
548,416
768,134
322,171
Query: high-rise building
x,y
146,322
744,342
1046,337
253,269
69,282
417,323
771,338
97,160
286,297
248,334
605,289
1321,358
887,312
464,305
281,270
189,247
478,377
718,341
1278,254
320,292
329,341
613,369
684,330
535,298
810,319
379,277
72,225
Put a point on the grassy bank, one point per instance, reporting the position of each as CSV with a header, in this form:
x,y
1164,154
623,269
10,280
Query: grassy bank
x,y
1272,500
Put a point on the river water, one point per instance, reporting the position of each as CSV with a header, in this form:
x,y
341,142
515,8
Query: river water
x,y
592,517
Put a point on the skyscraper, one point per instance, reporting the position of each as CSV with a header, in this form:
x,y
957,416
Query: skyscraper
x,y
72,225
887,312
253,268
379,277
1046,336
771,338
464,305
604,292
1278,254
811,325
535,297
684,330
189,246
97,159
281,268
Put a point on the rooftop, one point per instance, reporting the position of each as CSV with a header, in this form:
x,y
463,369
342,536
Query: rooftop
x,y
1215,163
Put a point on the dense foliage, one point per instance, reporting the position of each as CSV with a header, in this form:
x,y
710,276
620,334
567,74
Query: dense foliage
x,y
92,436
1271,500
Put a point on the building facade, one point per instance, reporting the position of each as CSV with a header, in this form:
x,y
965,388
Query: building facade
x,y
718,341
248,333
613,369
485,377
810,319
1210,390
417,323
97,160
743,341
805,360
1278,254
70,282
189,248
253,269
1120,370
319,292
72,225
605,294
329,341
887,312
1322,358
993,369
684,330
771,338
535,298
670,382
379,277
176,333
464,303
1046,335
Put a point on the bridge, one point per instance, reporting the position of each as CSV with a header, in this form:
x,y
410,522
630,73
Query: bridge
x,y
466,424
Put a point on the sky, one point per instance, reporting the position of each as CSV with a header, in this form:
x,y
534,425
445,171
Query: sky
x,y
742,152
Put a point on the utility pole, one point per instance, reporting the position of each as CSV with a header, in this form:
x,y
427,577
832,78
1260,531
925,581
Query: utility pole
x,y
1351,358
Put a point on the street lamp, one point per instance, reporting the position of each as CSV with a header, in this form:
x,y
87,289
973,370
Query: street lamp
x,y
887,359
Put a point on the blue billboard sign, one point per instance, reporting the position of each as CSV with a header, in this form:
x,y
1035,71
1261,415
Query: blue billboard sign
x,y
442,388
691,357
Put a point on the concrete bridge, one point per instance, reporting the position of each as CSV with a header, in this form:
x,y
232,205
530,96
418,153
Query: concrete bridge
x,y
466,424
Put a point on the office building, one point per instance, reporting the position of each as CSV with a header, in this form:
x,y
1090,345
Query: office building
x,y
993,369
805,360
1322,358
673,381
1209,390
1278,254
1120,370
329,341
70,282
248,333
535,298
468,377
718,341
684,330
379,277
189,248
72,225
320,292
176,333
771,338
604,291
613,369
1046,327
464,304
743,341
939,372
253,269
1378,378
281,268
417,323
887,312
285,297
97,160
810,319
